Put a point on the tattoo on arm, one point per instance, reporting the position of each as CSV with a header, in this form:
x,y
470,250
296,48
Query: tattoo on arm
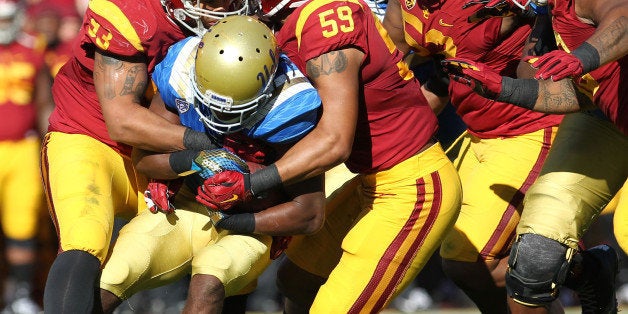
x,y
611,42
334,61
558,97
111,68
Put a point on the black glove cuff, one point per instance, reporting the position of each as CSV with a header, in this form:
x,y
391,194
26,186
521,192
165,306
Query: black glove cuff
x,y
181,161
240,223
265,179
438,85
589,56
197,140
519,92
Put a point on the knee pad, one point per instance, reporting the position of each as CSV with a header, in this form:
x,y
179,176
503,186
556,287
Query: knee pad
x,y
537,267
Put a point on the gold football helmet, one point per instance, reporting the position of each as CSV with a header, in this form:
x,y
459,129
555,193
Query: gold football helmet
x,y
235,65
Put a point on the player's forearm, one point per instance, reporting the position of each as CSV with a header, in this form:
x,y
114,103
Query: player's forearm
x,y
611,39
544,96
291,218
153,165
393,23
316,153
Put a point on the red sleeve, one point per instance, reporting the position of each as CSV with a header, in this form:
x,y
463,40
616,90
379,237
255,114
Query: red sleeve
x,y
330,26
119,28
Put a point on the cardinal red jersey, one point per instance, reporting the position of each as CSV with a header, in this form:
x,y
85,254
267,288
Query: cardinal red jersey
x,y
137,28
395,120
57,56
20,61
445,30
604,85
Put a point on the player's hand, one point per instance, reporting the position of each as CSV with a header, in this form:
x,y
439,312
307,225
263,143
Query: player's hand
x,y
159,195
247,148
279,245
482,79
494,8
212,161
556,64
225,190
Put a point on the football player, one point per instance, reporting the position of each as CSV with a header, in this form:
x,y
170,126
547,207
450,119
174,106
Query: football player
x,y
392,216
100,96
25,103
503,148
587,163
271,106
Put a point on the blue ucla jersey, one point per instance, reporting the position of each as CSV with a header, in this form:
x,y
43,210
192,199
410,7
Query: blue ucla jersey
x,y
286,117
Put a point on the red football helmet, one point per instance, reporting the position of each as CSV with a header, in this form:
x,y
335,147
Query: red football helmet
x,y
188,13
11,20
271,8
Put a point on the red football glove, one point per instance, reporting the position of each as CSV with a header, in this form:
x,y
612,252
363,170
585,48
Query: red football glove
x,y
246,148
280,244
482,79
224,190
557,65
159,193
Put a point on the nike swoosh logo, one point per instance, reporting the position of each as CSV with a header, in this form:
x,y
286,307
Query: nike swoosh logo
x,y
233,198
441,23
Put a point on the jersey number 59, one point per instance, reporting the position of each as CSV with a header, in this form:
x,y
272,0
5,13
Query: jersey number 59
x,y
333,21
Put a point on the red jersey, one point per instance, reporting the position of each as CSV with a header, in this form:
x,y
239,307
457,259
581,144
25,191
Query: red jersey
x,y
20,62
395,120
446,31
604,85
57,56
137,28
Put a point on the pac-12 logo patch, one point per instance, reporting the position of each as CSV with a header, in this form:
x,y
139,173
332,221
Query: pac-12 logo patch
x,y
410,4
182,105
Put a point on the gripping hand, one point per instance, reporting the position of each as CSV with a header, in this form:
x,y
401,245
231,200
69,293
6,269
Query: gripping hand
x,y
159,195
557,65
480,78
224,190
247,148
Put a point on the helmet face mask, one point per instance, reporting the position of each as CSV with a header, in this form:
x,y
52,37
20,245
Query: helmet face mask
x,y
194,16
236,62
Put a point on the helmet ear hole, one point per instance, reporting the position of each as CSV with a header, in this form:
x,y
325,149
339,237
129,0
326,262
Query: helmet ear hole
x,y
238,49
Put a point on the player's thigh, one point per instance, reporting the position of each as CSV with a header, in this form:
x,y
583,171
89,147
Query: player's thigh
x,y
319,253
495,174
586,167
22,190
235,259
153,250
86,183
407,210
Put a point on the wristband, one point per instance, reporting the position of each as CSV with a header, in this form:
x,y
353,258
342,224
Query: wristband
x,y
588,56
265,179
196,140
181,161
519,92
240,223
